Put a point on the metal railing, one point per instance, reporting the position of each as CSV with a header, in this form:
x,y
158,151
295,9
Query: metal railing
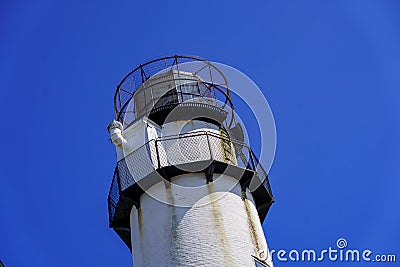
x,y
181,150
207,80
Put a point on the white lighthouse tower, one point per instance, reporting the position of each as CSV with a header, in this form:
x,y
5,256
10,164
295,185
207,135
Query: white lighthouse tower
x,y
186,191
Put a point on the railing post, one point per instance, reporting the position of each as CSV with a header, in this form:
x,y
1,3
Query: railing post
x,y
251,158
209,146
158,155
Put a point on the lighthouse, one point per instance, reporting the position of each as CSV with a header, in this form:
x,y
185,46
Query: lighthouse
x,y
187,190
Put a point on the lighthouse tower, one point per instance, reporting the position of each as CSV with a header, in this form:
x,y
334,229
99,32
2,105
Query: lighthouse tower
x,y
186,190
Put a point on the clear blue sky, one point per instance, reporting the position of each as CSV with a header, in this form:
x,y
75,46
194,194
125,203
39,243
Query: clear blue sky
x,y
329,69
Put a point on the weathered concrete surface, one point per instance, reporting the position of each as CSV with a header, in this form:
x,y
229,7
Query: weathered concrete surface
x,y
221,228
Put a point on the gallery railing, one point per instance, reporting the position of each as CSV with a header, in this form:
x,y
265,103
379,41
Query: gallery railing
x,y
182,150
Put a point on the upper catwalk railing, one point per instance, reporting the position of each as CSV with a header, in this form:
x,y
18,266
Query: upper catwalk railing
x,y
158,86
